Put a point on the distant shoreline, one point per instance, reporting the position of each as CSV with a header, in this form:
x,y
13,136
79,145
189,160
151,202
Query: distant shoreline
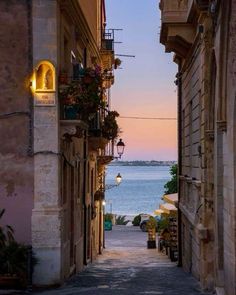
x,y
143,163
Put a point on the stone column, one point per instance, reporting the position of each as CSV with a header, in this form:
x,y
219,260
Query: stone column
x,y
46,215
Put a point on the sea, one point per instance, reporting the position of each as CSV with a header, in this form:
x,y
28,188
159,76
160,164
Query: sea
x,y
140,191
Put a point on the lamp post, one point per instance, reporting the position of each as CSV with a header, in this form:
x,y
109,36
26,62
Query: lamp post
x,y
103,205
102,190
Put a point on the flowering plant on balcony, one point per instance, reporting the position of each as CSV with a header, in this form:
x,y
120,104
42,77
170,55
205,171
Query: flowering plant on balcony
x,y
84,95
110,128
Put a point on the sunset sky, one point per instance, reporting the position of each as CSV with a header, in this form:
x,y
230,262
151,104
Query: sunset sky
x,y
145,84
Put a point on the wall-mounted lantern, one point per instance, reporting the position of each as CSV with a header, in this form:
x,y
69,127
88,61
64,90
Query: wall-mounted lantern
x,y
118,182
120,148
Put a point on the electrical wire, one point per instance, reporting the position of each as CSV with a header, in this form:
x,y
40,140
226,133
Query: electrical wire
x,y
147,118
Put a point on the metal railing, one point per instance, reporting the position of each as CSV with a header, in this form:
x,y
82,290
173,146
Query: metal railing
x,y
107,40
95,124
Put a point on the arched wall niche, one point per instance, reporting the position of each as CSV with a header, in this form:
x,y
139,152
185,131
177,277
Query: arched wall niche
x,y
45,77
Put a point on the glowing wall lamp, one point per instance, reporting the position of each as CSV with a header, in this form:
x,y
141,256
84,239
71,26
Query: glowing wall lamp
x,y
118,179
120,148
118,182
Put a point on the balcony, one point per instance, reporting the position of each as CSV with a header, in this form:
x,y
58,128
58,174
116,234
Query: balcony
x,y
107,40
103,130
175,11
83,100
107,155
109,79
96,139
177,30
82,95
107,50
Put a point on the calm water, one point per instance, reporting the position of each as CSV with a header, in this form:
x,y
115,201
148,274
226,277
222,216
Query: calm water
x,y
140,191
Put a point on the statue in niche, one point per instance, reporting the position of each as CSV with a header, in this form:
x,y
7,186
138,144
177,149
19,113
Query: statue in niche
x,y
47,80
44,78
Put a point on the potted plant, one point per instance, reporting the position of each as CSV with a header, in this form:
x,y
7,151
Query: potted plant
x,y
6,232
117,63
108,221
83,97
13,259
70,107
110,128
151,228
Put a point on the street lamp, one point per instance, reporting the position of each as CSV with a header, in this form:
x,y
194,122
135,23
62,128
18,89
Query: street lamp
x,y
120,148
118,179
118,182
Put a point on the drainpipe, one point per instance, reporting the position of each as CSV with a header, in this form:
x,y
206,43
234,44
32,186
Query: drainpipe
x,y
84,197
179,84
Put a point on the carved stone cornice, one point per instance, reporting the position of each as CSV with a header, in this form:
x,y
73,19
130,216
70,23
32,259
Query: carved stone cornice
x,y
178,45
105,160
178,32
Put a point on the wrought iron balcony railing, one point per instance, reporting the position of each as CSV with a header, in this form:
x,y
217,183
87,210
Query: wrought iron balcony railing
x,y
107,40
95,124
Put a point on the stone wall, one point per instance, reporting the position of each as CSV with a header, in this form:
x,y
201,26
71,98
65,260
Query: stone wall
x,y
47,214
16,173
191,162
207,184
229,153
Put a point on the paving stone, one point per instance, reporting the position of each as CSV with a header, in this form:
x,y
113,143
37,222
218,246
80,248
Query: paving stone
x,y
127,267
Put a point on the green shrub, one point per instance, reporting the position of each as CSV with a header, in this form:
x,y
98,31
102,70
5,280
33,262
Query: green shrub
x,y
120,220
6,233
13,255
137,220
171,187
151,223
163,223
13,259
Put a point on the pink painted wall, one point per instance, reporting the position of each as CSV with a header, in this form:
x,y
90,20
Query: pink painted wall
x,y
16,165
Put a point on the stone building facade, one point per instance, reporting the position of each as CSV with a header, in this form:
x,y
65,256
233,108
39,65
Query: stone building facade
x,y
201,33
52,168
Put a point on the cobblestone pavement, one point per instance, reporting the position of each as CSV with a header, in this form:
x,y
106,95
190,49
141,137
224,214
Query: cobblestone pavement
x,y
128,268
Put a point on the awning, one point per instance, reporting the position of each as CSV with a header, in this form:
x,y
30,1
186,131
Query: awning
x,y
168,208
158,212
171,199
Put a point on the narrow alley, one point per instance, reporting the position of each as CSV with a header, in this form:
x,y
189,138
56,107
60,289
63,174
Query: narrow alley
x,y
127,268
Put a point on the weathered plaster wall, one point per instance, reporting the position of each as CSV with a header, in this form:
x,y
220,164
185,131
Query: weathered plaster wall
x,y
16,168
91,10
